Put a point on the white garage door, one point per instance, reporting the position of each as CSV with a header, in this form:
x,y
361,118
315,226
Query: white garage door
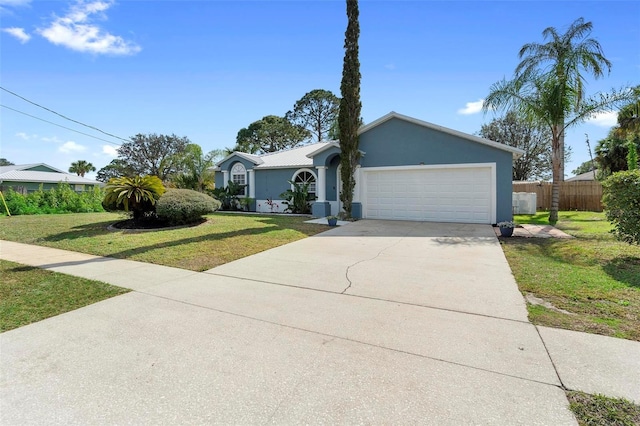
x,y
439,194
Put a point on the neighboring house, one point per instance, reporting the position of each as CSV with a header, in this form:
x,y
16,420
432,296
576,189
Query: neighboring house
x,y
29,177
588,176
409,170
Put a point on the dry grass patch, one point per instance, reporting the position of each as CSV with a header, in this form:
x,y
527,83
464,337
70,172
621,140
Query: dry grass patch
x,y
592,410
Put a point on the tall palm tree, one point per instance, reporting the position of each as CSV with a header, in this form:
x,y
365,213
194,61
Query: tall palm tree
x,y
548,89
81,167
629,127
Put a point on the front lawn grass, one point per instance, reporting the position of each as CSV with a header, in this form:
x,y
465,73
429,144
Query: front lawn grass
x,y
29,294
601,410
593,277
223,238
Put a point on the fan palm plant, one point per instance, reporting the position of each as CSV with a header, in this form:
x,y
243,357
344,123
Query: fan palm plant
x,y
136,194
548,89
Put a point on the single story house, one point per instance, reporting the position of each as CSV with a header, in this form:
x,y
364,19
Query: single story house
x,y
409,170
29,177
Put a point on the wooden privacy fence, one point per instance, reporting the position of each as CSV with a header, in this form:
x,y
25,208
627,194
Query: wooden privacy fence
x,y
580,195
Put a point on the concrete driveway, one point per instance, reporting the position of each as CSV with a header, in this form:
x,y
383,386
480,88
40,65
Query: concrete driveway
x,y
375,322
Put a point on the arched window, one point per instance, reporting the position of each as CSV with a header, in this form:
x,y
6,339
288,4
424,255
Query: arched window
x,y
239,176
306,176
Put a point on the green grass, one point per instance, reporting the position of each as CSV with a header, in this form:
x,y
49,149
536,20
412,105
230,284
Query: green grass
x,y
592,410
223,238
593,276
30,294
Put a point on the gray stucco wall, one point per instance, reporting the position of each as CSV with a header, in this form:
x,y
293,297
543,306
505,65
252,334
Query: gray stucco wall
x,y
228,165
401,143
271,183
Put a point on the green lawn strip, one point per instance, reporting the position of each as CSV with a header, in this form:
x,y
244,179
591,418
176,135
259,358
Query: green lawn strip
x,y
29,294
594,277
223,238
592,410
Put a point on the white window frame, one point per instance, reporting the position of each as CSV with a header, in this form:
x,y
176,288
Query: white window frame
x,y
239,170
315,177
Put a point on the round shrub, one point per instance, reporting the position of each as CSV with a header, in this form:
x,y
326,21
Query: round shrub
x,y
621,198
184,206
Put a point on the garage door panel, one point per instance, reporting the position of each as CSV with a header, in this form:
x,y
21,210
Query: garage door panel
x,y
437,194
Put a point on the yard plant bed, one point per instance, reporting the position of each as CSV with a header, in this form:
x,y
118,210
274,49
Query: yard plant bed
x,y
29,294
601,410
593,277
223,238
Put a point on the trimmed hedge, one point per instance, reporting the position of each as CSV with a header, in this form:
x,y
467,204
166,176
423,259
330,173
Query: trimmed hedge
x,y
184,206
621,198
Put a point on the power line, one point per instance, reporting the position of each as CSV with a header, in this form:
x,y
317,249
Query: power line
x,y
63,116
55,124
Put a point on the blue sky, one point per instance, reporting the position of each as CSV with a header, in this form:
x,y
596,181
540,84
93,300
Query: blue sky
x,y
206,69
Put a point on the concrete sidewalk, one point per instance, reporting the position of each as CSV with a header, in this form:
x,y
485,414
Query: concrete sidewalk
x,y
324,330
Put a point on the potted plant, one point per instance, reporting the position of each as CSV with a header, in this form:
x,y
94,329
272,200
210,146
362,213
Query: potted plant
x,y
506,228
332,220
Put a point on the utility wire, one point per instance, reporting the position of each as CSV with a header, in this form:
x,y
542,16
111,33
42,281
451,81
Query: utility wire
x,y
55,124
63,116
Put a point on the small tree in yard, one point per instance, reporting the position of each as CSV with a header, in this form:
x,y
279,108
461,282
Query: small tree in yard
x,y
297,199
621,198
350,107
137,195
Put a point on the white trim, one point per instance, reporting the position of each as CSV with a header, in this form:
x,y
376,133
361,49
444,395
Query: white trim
x,y
517,153
321,184
491,166
238,165
249,157
315,176
430,166
334,144
225,178
252,183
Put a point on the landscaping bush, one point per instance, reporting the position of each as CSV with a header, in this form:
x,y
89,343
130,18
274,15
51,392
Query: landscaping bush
x,y
184,206
61,199
297,200
621,198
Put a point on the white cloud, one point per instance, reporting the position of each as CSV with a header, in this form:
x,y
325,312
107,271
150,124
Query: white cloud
x,y
390,66
53,139
69,147
472,107
26,137
5,5
110,150
76,31
605,119
18,33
